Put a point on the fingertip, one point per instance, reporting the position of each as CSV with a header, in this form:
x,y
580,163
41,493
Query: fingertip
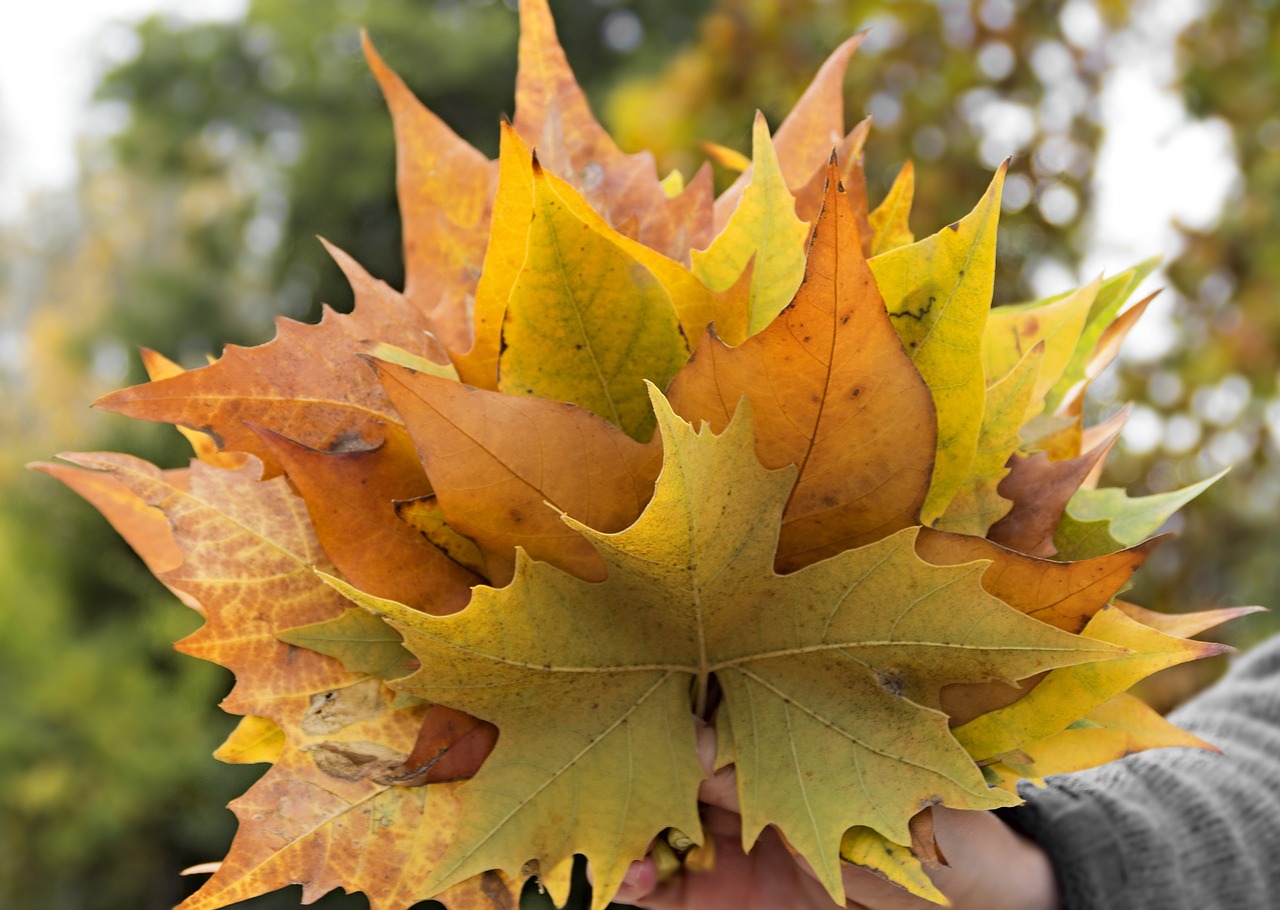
x,y
639,881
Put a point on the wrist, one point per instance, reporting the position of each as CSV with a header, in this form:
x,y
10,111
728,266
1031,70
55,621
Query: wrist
x,y
1037,881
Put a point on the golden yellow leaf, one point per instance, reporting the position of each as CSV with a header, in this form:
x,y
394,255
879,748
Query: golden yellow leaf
x,y
587,323
1013,330
978,504
426,517
763,226
1069,693
871,850
938,293
727,158
255,739
508,244
1123,725
890,221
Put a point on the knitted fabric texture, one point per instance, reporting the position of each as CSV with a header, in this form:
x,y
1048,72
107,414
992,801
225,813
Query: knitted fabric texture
x,y
1176,828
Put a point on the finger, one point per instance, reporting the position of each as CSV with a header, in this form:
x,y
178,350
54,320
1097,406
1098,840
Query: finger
x,y
639,881
721,787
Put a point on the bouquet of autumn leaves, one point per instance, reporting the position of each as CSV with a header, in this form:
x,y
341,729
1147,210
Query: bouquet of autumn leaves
x,y
623,453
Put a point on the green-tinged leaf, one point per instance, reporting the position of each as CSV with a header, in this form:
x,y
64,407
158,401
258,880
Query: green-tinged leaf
x,y
1070,693
586,323
1012,331
833,675
938,292
978,505
764,226
1106,520
890,221
1111,298
360,640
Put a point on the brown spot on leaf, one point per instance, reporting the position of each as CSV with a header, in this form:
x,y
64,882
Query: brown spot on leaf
x,y
355,761
349,442
331,711
212,434
892,681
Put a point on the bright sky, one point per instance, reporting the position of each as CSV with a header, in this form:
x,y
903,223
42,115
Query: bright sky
x,y
47,53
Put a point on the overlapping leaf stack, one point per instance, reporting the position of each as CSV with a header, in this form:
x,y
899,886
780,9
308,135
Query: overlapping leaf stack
x,y
623,452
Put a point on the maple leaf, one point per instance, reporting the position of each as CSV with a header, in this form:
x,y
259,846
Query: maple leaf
x,y
807,133
308,384
506,466
1068,693
444,188
822,670
763,228
583,323
833,392
938,292
546,588
248,563
890,221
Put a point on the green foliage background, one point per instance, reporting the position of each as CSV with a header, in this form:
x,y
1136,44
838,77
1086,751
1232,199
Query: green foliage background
x,y
193,226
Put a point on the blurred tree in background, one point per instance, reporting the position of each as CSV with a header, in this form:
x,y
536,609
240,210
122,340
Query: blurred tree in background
x,y
235,143
1215,399
956,86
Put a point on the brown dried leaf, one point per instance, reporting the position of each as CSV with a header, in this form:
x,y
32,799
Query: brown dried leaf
x,y
445,188
308,384
504,468
829,363
1040,489
351,497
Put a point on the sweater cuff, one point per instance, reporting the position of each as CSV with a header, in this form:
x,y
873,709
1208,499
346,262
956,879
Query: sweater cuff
x,y
1080,839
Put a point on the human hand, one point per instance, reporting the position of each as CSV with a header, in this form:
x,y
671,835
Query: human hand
x,y
990,867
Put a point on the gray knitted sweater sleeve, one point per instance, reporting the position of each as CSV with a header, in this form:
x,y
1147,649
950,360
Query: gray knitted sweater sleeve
x,y
1176,828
